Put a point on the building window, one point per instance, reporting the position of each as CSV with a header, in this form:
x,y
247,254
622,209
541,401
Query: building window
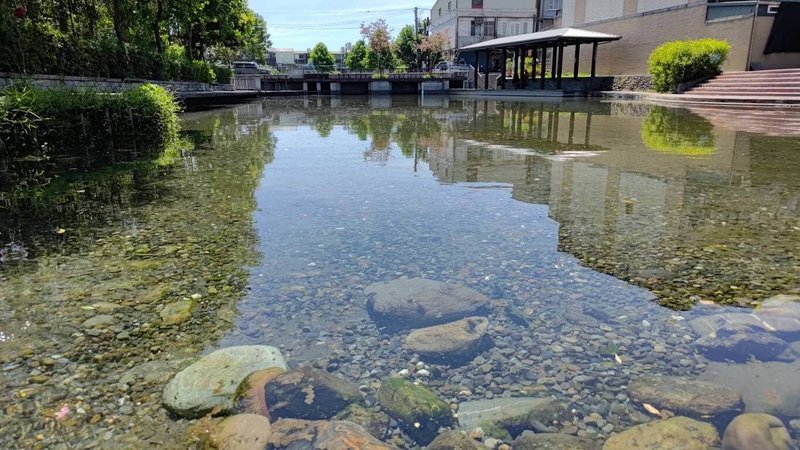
x,y
488,28
440,12
477,4
525,28
476,27
504,27
552,5
449,6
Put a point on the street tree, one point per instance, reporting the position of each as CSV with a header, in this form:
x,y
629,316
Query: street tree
x,y
322,59
433,47
356,58
379,42
406,47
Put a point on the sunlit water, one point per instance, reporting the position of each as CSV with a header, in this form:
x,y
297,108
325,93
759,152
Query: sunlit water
x,y
592,226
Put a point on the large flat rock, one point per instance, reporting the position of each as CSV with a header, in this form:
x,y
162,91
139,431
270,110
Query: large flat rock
x,y
685,395
677,433
418,302
505,412
211,382
455,339
765,387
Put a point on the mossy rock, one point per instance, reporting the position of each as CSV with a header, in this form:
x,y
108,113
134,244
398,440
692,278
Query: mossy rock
x,y
420,412
375,422
495,430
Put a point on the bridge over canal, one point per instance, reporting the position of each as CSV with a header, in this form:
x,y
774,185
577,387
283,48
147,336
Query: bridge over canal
x,y
355,83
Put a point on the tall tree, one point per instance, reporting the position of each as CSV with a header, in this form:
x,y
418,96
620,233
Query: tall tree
x,y
406,47
378,38
356,58
433,47
322,59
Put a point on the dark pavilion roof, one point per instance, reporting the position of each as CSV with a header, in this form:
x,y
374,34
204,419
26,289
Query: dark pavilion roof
x,y
559,35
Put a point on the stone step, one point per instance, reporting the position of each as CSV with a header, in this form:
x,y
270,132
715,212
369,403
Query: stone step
x,y
786,76
721,83
730,99
767,72
765,92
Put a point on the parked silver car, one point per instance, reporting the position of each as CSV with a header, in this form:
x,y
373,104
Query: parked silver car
x,y
448,67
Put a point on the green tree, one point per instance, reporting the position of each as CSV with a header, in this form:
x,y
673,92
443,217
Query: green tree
x,y
379,41
255,39
406,47
322,59
433,47
380,61
356,58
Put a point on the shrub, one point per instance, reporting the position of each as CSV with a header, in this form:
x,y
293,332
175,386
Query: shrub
x,y
172,62
95,126
223,74
200,71
677,62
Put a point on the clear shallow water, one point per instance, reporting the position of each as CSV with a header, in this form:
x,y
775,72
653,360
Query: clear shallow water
x,y
282,212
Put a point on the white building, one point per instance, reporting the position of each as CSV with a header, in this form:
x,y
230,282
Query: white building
x,y
467,22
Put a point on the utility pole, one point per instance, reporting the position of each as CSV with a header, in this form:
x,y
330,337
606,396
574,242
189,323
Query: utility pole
x,y
416,35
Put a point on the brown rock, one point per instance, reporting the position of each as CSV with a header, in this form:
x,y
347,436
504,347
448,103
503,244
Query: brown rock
x,y
323,435
686,396
676,433
454,440
419,302
756,431
241,432
250,395
459,338
763,386
552,441
375,422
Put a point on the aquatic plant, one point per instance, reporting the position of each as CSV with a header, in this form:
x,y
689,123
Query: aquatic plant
x,y
42,123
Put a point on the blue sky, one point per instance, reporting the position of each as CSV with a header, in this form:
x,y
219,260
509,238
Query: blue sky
x,y
301,24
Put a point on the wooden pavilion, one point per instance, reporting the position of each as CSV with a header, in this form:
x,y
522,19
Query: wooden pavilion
x,y
524,45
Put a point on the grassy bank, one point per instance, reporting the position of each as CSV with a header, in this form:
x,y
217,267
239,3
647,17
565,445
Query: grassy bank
x,y
94,126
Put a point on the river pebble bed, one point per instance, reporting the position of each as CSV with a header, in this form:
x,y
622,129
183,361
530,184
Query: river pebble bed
x,y
282,218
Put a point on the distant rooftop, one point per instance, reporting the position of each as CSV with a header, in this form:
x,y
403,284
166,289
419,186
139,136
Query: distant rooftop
x,y
565,35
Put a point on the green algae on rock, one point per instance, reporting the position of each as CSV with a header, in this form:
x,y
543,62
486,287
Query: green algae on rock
x,y
420,411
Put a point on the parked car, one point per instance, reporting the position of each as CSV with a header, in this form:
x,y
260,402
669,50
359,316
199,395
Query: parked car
x,y
448,67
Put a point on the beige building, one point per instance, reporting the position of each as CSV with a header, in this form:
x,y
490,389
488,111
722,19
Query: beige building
x,y
467,22
645,24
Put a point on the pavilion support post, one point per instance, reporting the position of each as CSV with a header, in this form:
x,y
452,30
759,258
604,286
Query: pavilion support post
x,y
588,133
554,64
577,61
560,63
522,67
544,67
475,75
503,70
515,68
594,59
540,121
533,62
571,127
486,70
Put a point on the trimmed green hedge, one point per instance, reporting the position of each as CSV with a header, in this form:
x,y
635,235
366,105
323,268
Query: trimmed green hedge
x,y
94,126
679,62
